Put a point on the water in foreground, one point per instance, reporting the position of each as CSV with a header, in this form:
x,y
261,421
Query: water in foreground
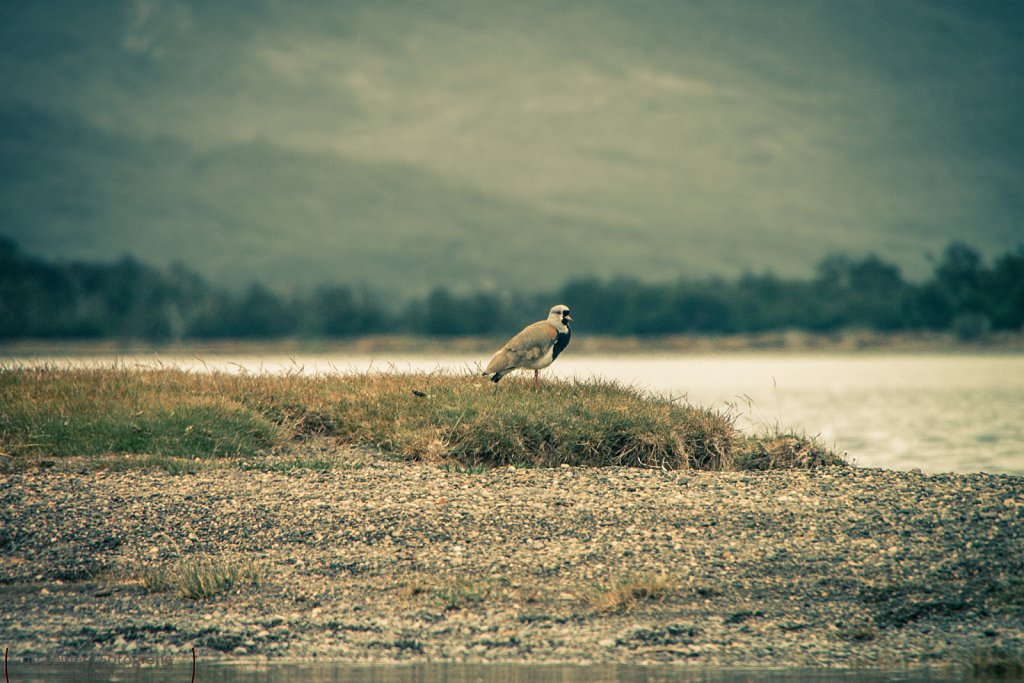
x,y
99,671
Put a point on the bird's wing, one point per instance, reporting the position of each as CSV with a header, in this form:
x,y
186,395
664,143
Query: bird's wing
x,y
529,345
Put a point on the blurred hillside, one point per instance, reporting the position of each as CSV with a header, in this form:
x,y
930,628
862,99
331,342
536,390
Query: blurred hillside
x,y
496,146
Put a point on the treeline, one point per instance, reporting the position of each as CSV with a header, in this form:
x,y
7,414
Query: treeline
x,y
131,300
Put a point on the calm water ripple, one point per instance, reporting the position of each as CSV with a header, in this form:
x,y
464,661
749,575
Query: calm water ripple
x,y
458,673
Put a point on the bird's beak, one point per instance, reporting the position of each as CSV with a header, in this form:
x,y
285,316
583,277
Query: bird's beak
x,y
566,317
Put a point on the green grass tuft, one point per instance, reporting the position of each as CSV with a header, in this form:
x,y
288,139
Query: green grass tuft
x,y
63,412
200,578
458,594
171,416
450,592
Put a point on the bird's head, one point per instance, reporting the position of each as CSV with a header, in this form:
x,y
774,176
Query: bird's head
x,y
559,315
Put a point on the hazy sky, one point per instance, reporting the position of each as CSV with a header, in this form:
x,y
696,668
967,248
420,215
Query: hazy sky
x,y
477,143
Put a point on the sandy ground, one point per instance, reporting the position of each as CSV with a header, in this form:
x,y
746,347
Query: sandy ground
x,y
378,560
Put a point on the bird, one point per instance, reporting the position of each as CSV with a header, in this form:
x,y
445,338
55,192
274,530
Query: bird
x,y
536,347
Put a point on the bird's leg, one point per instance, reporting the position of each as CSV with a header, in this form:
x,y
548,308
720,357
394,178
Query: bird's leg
x,y
536,378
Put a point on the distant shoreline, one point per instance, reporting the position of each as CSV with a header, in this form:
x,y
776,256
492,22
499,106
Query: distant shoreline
x,y
790,341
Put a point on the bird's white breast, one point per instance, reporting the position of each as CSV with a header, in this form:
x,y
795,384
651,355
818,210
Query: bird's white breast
x,y
546,359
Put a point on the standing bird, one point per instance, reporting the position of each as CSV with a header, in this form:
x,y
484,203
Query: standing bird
x,y
534,348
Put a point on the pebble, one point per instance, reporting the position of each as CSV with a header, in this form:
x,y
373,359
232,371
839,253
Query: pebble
x,y
397,561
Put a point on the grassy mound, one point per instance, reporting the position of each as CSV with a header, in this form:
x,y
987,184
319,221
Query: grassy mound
x,y
440,417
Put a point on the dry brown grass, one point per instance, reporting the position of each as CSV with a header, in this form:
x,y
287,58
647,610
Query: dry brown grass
x,y
172,415
626,593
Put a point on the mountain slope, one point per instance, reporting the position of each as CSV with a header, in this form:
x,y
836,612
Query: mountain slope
x,y
468,144
253,211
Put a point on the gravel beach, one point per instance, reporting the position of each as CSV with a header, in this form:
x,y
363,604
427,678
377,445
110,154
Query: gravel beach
x,y
382,560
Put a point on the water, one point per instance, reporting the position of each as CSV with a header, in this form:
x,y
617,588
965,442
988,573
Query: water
x,y
937,413
94,672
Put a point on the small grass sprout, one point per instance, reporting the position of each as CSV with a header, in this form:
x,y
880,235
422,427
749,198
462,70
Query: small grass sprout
x,y
200,578
628,592
450,593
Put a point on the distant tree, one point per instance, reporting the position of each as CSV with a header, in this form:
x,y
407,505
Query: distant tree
x,y
334,312
833,273
878,295
258,314
701,312
215,319
960,277
485,312
131,300
875,278
867,293
766,302
342,311
34,296
601,306
1006,291
443,316
930,308
955,291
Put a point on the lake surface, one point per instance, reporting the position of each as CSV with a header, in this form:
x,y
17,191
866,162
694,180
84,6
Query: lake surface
x,y
938,413
95,672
